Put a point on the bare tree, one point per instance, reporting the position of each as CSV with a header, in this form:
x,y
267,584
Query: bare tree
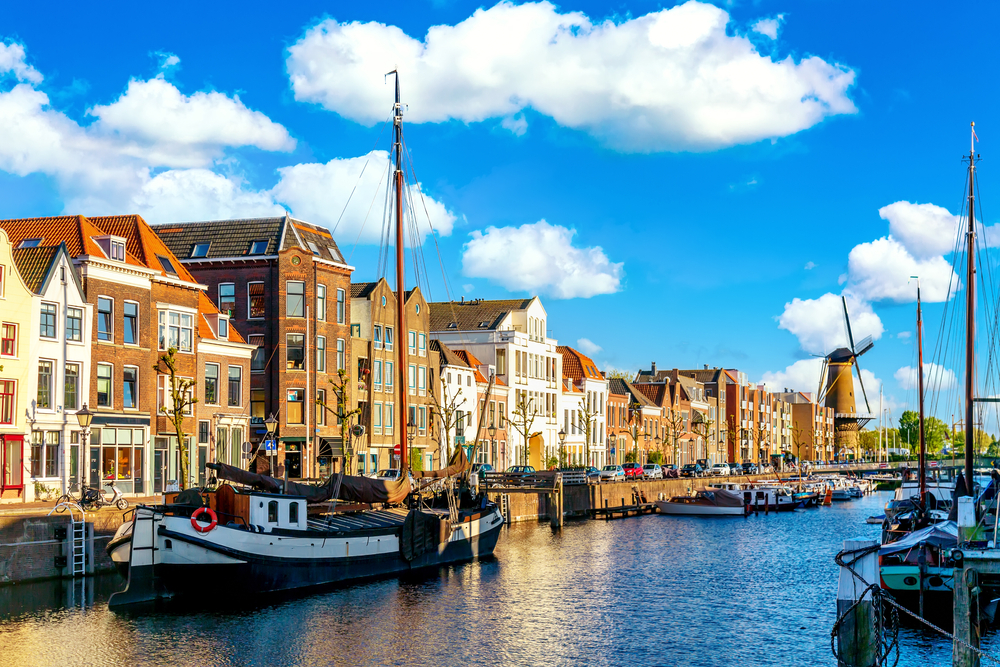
x,y
673,426
587,418
446,411
760,438
342,392
702,426
635,429
522,417
182,399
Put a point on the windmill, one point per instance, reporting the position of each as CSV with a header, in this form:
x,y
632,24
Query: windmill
x,y
836,389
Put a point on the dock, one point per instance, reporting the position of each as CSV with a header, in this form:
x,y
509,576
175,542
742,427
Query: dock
x,y
623,511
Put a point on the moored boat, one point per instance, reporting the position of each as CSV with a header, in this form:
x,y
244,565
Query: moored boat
x,y
706,502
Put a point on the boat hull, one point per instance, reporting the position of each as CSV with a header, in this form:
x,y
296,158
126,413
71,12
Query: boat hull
x,y
694,509
189,567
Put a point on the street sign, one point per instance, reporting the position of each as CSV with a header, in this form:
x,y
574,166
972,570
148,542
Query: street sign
x,y
247,447
396,451
459,439
613,451
270,446
357,430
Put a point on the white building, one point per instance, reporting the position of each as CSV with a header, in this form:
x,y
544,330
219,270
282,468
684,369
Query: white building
x,y
455,410
60,351
510,335
584,408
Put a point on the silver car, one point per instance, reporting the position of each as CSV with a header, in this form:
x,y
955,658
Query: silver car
x,y
612,473
652,471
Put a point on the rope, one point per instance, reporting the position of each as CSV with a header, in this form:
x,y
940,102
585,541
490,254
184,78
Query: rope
x,y
880,598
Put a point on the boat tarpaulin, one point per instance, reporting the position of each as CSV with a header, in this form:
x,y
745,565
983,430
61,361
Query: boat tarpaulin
x,y
459,463
352,488
723,498
944,534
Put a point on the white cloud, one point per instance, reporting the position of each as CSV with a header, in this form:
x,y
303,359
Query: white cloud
x,y
517,125
925,230
668,80
12,60
819,323
903,335
768,27
881,269
588,347
810,266
540,257
936,377
181,195
319,192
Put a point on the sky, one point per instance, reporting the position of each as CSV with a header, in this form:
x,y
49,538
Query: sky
x,y
688,183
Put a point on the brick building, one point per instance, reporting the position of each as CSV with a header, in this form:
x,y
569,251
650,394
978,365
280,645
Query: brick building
x,y
284,285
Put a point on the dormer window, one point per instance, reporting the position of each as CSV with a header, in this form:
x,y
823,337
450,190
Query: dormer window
x,y
258,247
452,325
200,250
117,250
333,253
167,265
484,324
313,247
30,243
224,328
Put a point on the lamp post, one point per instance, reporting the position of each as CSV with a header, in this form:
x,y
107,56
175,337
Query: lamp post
x,y
562,447
411,433
657,441
492,430
84,417
271,424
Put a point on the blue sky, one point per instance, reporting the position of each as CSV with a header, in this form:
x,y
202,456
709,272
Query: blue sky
x,y
689,204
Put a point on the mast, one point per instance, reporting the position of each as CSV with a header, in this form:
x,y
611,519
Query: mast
x,y
970,320
401,331
921,467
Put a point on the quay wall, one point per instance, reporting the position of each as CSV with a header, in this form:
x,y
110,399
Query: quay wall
x,y
33,547
579,499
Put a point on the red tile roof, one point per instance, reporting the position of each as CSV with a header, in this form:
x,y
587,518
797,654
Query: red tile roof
x,y
577,365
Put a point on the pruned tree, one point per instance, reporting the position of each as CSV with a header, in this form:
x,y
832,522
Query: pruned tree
x,y
342,392
587,418
182,399
522,417
634,430
446,412
673,426
703,426
759,433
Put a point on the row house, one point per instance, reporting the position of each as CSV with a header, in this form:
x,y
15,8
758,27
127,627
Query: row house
x,y
492,414
616,418
455,398
584,414
137,302
811,427
643,419
375,336
283,284
510,335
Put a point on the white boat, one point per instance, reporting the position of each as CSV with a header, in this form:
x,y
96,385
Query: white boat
x,y
774,498
706,502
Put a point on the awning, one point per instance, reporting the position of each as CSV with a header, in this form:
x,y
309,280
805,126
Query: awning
x,y
292,439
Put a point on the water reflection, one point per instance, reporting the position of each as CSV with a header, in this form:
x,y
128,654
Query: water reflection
x,y
649,591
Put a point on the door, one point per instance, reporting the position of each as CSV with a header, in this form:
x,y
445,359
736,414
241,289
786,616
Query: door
x,y
159,472
11,462
95,467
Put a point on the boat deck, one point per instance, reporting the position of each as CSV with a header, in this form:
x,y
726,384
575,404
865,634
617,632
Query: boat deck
x,y
388,518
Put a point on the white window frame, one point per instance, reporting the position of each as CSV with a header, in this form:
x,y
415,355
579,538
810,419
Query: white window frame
x,y
204,389
218,293
341,306
79,385
138,338
377,374
229,380
422,344
135,392
164,326
111,386
52,384
249,297
341,354
288,284
111,319
79,338
377,336
55,320
321,302
320,354
376,418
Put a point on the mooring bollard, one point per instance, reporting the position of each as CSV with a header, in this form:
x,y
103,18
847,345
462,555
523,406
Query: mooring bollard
x,y
856,640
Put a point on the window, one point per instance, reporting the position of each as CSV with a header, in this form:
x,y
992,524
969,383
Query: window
x,y
377,374
258,247
130,385
313,247
377,336
413,379
501,362
320,410
422,344
203,432
235,386
320,354
295,295
257,361
321,302
377,418
293,512
47,327
118,251
412,340
256,306
272,511
257,407
383,302
7,401
130,323
341,305
8,340
44,453
388,339
422,424
341,351
388,418
105,308
165,398
388,376
1,280
227,298
294,413
168,266
200,250
422,380
176,330
212,384
30,243
294,352
356,331
44,399
71,387
104,385
223,328
74,324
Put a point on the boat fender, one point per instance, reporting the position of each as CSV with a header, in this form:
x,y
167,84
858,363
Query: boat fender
x,y
200,527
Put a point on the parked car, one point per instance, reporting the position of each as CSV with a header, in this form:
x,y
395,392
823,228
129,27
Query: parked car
x,y
720,470
391,473
612,473
652,471
480,470
734,468
632,471
705,465
593,475
766,470
692,470
522,469
750,468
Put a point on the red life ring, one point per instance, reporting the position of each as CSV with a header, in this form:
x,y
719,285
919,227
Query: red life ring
x,y
201,528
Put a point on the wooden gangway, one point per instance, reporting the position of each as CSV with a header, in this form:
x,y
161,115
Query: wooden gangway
x,y
546,482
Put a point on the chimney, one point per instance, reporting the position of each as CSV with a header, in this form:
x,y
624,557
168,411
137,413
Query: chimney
x,y
463,299
653,372
706,367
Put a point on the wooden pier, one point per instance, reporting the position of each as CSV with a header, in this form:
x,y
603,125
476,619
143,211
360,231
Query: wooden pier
x,y
539,483
638,507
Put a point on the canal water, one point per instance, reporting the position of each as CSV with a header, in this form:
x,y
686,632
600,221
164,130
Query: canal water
x,y
649,590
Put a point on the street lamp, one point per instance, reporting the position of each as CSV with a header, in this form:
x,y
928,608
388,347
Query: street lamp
x,y
562,447
271,424
84,417
492,430
657,441
411,433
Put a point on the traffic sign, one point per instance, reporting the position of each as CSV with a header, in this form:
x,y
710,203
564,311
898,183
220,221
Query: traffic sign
x,y
247,447
396,451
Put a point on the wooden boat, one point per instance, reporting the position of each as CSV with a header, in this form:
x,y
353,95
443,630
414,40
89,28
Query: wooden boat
x,y
706,502
763,498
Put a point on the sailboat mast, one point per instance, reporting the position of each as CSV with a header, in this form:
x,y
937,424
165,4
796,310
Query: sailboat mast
x,y
401,331
922,463
970,320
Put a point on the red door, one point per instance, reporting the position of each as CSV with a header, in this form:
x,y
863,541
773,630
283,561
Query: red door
x,y
11,462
